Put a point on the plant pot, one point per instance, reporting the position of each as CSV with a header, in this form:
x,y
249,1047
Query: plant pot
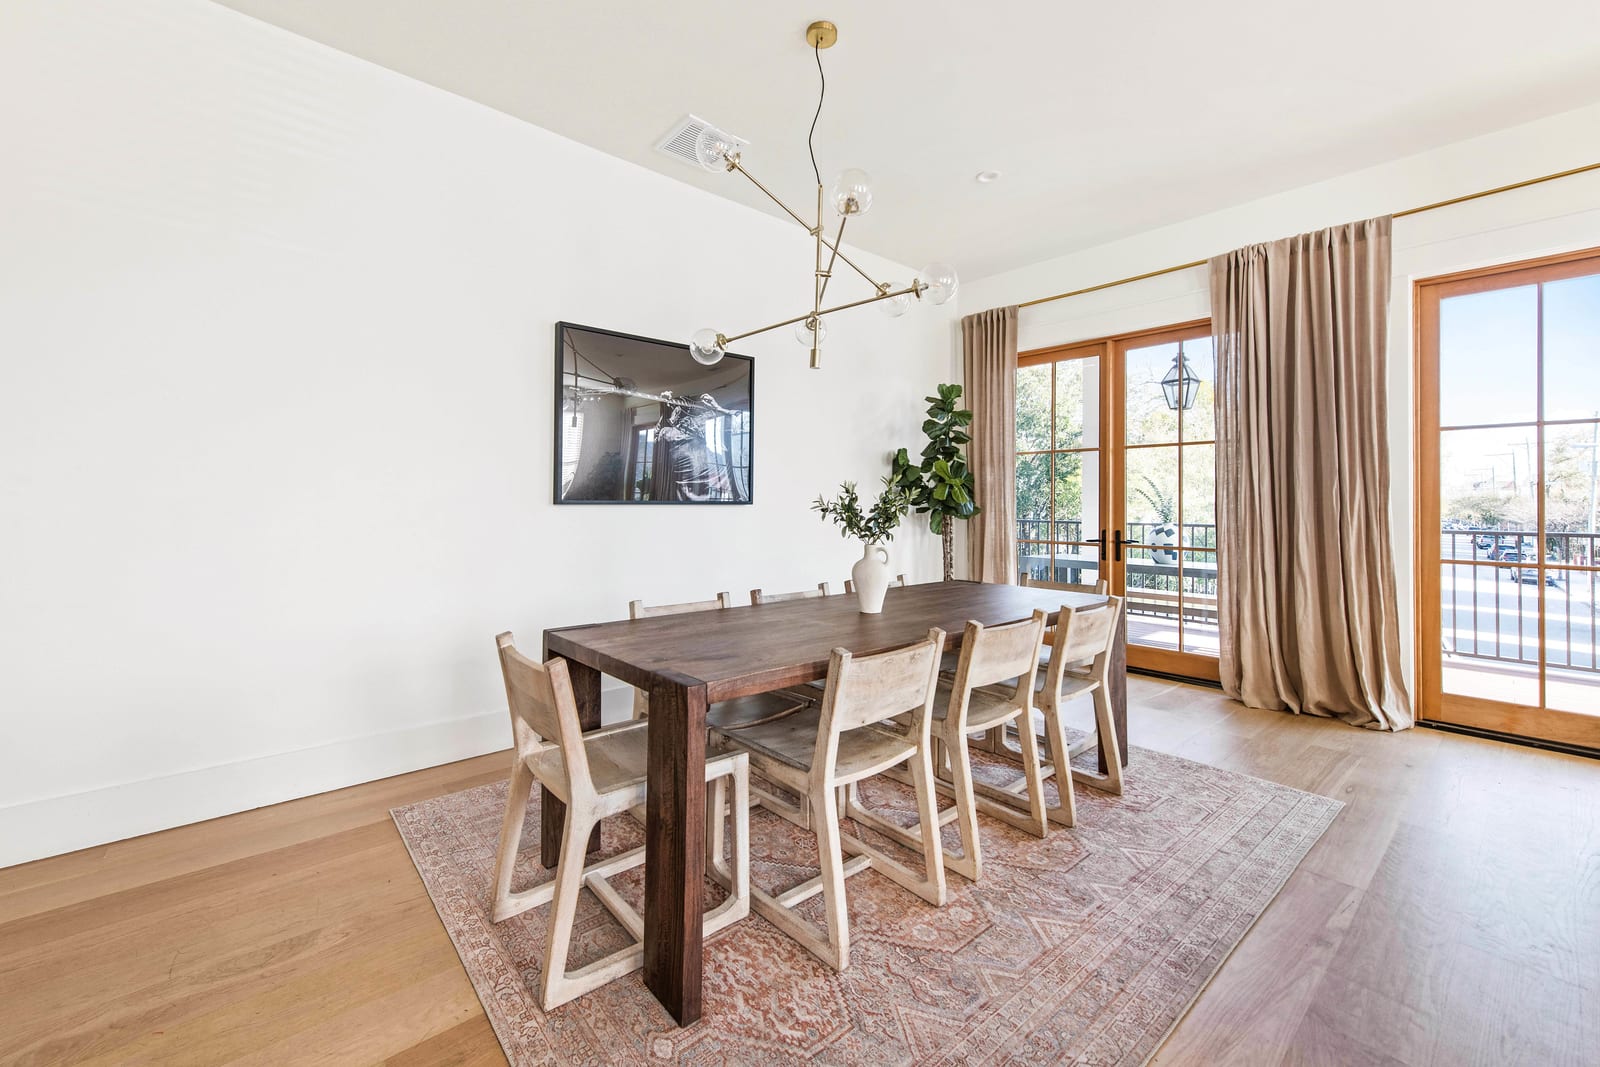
x,y
871,578
1161,537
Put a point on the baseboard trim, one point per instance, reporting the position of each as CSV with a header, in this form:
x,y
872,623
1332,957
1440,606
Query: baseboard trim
x,y
54,825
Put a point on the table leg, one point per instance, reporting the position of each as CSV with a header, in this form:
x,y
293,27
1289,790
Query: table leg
x,y
674,850
1119,692
552,812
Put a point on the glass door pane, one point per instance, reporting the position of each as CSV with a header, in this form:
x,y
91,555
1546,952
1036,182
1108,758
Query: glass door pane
x,y
1168,569
1059,479
1511,403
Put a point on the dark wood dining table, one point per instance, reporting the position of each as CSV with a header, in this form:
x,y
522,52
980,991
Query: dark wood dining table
x,y
688,662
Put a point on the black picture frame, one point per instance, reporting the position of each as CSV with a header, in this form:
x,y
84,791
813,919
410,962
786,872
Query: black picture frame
x,y
593,352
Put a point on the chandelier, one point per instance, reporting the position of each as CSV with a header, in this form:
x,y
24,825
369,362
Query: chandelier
x,y
851,196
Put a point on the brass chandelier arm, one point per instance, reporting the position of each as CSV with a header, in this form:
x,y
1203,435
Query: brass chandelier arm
x,y
914,289
827,274
833,247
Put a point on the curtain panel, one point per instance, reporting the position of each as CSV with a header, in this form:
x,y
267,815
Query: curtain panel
x,y
1307,594
989,368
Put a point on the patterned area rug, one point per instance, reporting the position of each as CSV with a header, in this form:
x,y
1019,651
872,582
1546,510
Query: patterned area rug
x,y
1085,947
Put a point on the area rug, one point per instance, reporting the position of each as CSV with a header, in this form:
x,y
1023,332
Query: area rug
x,y
1085,947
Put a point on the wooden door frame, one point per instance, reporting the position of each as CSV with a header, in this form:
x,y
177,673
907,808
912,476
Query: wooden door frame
x,y
1112,351
1433,704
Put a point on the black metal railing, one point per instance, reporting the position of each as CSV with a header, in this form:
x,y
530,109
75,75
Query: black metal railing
x,y
1489,588
1488,584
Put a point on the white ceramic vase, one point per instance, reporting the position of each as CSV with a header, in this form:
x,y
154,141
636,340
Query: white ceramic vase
x,y
871,578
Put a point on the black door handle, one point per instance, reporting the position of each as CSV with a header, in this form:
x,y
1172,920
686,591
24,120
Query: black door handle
x,y
1120,541
1101,541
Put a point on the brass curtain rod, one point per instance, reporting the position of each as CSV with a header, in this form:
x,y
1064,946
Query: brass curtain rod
x,y
1396,215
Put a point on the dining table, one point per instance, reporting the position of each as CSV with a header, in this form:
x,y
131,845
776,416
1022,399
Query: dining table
x,y
688,662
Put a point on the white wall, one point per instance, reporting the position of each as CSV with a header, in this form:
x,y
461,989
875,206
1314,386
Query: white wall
x,y
1539,220
276,343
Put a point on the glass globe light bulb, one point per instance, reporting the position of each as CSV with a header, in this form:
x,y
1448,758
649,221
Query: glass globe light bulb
x,y
895,306
941,281
803,332
706,347
711,147
852,192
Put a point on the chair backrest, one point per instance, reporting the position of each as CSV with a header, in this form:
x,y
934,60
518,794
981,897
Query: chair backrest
x,y
759,597
850,585
1102,587
544,713
1084,634
638,609
863,690
991,654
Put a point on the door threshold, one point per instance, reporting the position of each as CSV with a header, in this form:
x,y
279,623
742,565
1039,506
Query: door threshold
x,y
1510,739
1168,676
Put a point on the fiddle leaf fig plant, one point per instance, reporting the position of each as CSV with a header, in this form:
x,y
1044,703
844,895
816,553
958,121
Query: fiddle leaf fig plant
x,y
939,484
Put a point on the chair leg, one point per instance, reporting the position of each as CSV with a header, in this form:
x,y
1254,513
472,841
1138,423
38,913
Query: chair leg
x,y
1035,777
1111,781
734,877
928,814
716,822
970,862
831,857
504,904
558,989
1065,811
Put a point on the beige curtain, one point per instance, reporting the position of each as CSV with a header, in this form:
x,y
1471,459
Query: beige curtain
x,y
1305,551
989,364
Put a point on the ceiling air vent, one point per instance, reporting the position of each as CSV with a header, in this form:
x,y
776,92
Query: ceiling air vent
x,y
679,141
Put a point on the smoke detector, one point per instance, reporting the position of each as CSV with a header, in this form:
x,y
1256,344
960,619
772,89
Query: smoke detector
x,y
679,141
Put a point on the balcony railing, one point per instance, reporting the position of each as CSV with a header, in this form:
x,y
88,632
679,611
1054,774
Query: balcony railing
x,y
1492,612
1488,613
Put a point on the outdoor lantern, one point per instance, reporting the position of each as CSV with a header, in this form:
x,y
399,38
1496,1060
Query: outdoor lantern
x,y
1181,384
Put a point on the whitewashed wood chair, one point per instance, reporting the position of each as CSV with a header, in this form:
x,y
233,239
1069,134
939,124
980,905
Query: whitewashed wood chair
x,y
596,775
899,580
757,596
1110,782
638,609
992,688
1080,665
824,752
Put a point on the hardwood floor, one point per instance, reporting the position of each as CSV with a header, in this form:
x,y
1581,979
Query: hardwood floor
x,y
1451,915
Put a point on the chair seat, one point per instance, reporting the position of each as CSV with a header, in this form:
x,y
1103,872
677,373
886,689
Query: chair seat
x,y
742,713
792,742
988,705
618,757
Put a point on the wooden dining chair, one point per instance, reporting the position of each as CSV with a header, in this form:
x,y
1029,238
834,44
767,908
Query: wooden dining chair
x,y
596,775
638,609
851,736
1099,588
1079,665
759,597
992,688
899,579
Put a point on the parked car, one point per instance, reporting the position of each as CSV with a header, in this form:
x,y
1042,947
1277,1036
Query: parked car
x,y
1531,574
1506,554
1485,541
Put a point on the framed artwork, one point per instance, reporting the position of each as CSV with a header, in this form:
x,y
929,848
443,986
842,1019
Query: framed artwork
x,y
639,421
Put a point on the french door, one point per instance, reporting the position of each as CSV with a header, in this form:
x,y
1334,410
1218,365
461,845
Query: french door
x,y
1116,481
1508,454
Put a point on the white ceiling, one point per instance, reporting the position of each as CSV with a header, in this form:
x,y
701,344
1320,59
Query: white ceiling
x,y
1106,119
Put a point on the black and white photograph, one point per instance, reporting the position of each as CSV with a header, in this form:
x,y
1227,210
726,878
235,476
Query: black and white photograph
x,y
641,422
